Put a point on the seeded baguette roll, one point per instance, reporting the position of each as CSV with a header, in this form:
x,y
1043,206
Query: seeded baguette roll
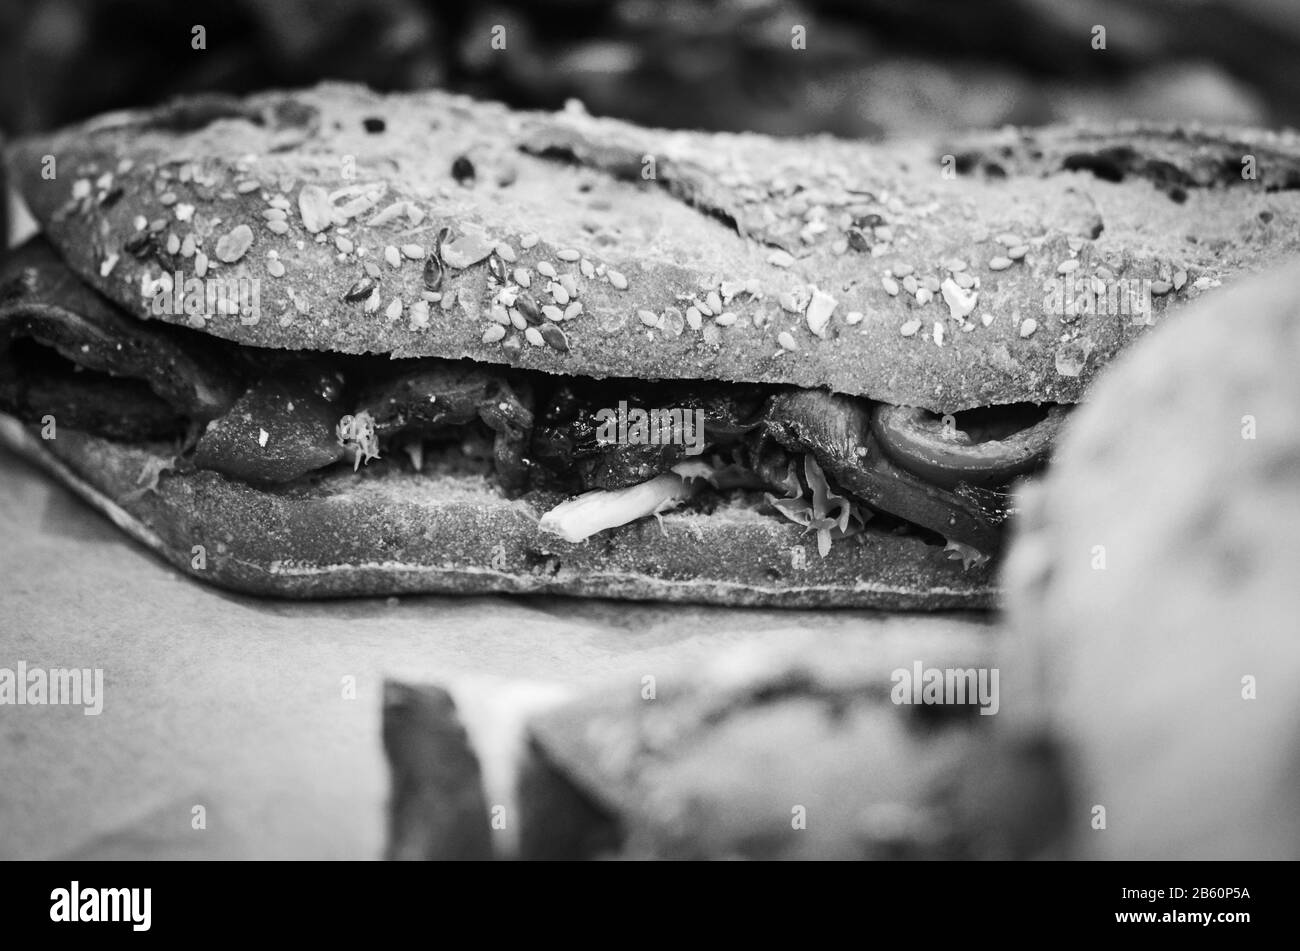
x,y
365,533
806,249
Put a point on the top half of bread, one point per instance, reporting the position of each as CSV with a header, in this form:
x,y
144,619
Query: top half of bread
x,y
916,273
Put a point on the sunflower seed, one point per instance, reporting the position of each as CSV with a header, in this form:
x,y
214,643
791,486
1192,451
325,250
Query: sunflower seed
x,y
554,336
528,307
315,208
232,246
534,336
462,169
359,291
432,273
464,251
494,333
496,268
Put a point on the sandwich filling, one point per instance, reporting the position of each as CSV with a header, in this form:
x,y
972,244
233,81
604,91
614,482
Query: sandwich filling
x,y
618,449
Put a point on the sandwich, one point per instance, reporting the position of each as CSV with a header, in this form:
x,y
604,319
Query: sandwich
x,y
335,343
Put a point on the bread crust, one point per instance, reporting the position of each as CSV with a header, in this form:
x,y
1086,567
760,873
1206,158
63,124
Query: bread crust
x,y
845,218
357,534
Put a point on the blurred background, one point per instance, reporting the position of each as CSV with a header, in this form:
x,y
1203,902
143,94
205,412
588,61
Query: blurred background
x,y
872,68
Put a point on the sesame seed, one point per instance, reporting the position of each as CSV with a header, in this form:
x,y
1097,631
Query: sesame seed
x,y
853,317
725,320
499,314
1067,267
648,317
818,315
372,269
910,328
551,312
568,254
714,302
704,307
588,269
494,333
903,270
1028,326
394,309
910,285
694,317
999,263
183,212
248,185
938,334
392,256
200,264
546,269
570,284
527,241
173,244
986,319
1180,278
274,214
890,285
780,258
279,201
507,296
413,251
712,335
517,319
278,227
534,336
106,266
1160,288
372,302
522,277
786,340
232,246
275,268
924,295
506,253
167,199
343,244
262,437
573,310
931,284
956,265
1018,252
419,314
188,246
140,222
617,280
558,292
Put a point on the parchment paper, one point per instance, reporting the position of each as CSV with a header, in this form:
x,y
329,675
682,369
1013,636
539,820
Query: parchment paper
x,y
238,704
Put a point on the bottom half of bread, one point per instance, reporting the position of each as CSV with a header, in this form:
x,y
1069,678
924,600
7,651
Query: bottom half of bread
x,y
395,532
